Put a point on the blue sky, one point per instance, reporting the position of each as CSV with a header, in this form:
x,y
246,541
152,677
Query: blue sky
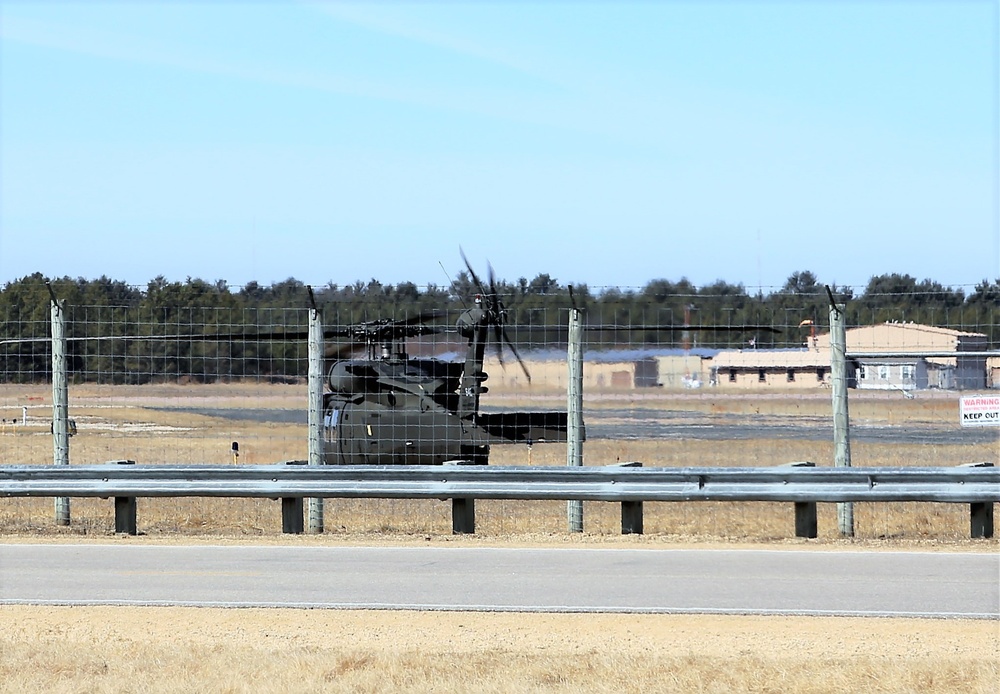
x,y
601,143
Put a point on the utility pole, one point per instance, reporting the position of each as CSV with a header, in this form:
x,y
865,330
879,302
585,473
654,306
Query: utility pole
x,y
574,411
315,406
841,418
60,400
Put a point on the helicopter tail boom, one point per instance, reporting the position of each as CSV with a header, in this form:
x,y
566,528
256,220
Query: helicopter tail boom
x,y
524,427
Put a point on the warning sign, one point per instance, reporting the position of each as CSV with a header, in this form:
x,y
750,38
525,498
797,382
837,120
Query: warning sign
x,y
980,410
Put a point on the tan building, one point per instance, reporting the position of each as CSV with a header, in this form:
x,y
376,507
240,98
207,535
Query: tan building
x,y
901,371
753,368
901,358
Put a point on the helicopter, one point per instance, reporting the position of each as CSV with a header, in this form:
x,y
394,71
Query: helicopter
x,y
388,408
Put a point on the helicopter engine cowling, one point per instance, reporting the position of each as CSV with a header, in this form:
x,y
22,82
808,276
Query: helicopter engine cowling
x,y
344,378
469,321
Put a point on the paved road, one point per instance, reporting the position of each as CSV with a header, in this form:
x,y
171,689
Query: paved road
x,y
541,580
647,423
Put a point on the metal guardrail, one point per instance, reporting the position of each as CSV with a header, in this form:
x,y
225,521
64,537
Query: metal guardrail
x,y
799,483
612,483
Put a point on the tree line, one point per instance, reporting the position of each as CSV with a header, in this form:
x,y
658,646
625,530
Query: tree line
x,y
723,316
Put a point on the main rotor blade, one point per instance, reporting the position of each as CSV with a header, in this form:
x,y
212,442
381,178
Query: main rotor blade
x,y
420,318
492,278
336,352
472,273
517,355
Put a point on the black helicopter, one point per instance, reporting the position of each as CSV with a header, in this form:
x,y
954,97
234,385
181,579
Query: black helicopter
x,y
388,408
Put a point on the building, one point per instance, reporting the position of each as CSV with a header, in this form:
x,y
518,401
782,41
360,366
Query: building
x,y
750,368
890,356
910,356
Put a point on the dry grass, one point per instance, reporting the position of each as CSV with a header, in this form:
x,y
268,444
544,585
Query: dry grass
x,y
118,423
186,649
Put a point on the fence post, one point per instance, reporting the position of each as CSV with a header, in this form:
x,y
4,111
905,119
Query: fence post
x,y
60,400
291,509
631,510
316,413
841,418
980,513
574,411
125,509
463,511
805,511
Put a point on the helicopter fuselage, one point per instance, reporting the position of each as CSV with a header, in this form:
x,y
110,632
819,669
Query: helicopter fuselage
x,y
412,412
399,429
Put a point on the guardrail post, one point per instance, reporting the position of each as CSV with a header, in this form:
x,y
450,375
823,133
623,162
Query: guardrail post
x,y
463,511
980,513
291,515
291,510
805,511
631,511
125,509
463,516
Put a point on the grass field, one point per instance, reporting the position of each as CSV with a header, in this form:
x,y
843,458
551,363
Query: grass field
x,y
104,649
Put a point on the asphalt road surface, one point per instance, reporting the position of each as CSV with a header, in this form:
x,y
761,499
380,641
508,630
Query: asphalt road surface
x,y
646,423
743,581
